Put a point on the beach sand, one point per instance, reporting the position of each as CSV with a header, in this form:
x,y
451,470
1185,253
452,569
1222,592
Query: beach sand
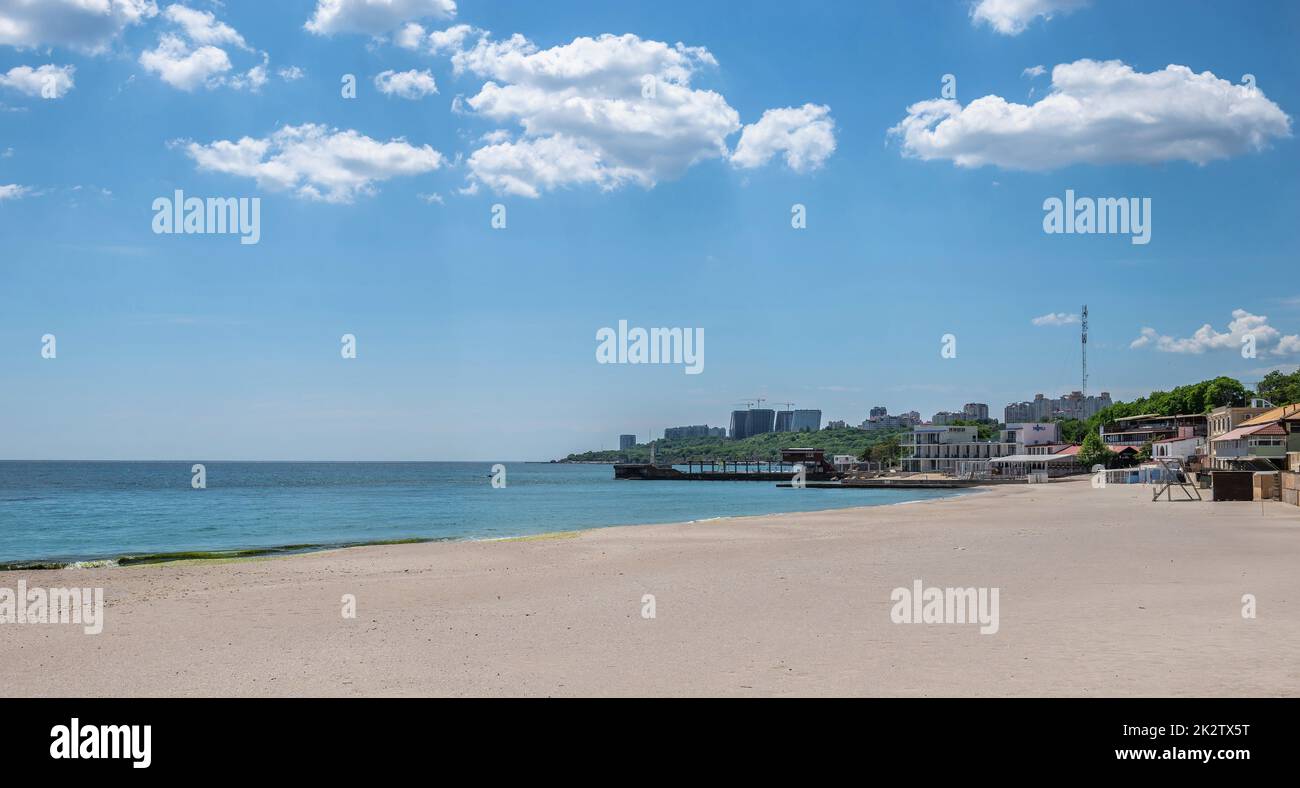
x,y
1102,592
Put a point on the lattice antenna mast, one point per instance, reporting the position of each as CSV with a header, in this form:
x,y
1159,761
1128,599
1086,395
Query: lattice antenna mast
x,y
1084,343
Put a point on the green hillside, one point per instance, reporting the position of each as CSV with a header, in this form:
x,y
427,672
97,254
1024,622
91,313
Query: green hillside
x,y
847,440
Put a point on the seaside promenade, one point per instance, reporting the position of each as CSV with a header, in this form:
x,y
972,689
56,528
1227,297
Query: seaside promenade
x,y
1100,593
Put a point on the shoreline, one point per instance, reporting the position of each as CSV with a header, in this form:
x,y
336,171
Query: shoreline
x,y
1102,593
247,553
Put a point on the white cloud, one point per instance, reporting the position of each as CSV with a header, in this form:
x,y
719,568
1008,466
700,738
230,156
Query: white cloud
x,y
1098,113
316,162
192,57
413,36
610,111
805,134
291,73
1011,17
584,116
451,39
529,167
253,79
13,191
1287,345
1034,71
182,67
406,84
431,198
1206,338
48,81
1055,319
87,25
375,17
202,27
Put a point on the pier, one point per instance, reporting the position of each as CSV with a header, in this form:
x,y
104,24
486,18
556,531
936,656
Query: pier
x,y
814,463
889,484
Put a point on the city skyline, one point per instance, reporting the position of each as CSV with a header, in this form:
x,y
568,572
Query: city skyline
x,y
973,411
479,342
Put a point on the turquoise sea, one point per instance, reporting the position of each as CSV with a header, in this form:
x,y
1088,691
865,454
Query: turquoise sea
x,y
53,513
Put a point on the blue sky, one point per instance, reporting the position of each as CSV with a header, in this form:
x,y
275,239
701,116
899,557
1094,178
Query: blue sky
x,y
478,343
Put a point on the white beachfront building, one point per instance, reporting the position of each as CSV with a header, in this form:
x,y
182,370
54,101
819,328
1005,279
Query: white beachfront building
x,y
1178,448
958,451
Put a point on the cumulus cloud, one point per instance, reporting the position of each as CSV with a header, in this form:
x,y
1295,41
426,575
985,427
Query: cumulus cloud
x,y
291,73
182,67
203,27
315,162
1055,319
1033,71
13,191
414,36
253,79
609,111
406,84
375,17
48,81
89,26
806,135
1287,345
193,56
529,167
586,115
1011,17
1098,113
1206,338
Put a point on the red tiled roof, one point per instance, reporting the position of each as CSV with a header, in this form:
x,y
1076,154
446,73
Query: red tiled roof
x,y
1269,429
1272,428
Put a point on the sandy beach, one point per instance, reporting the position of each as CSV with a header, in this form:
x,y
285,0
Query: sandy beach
x,y
1102,593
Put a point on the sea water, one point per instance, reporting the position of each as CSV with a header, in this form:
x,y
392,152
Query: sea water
x,y
54,513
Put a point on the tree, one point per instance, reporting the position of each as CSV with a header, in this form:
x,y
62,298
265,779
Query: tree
x,y
1223,391
1280,389
887,450
1094,452
1072,430
1200,397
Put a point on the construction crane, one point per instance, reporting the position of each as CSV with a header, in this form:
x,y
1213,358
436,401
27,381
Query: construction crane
x,y
788,405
